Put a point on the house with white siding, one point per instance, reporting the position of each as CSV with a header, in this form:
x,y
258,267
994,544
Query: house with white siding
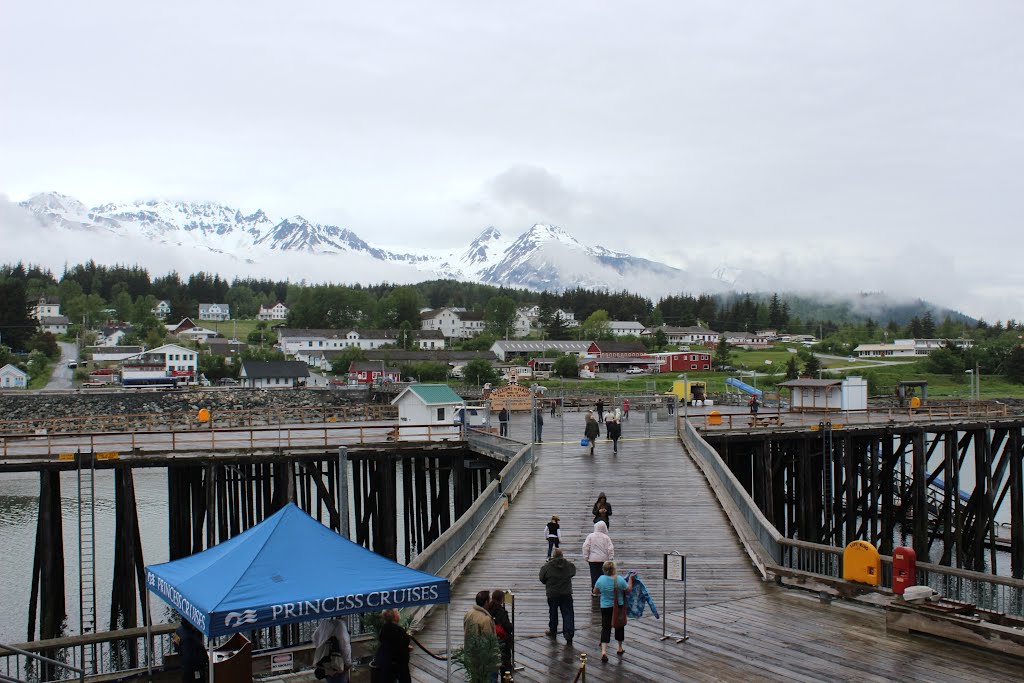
x,y
276,312
294,342
12,377
217,312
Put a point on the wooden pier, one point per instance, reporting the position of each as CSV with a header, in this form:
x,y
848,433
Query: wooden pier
x,y
741,628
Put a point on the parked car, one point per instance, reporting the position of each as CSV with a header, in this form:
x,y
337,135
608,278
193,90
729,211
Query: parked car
x,y
635,371
227,382
72,364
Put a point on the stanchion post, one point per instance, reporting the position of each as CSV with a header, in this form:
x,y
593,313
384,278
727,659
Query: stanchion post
x,y
674,569
510,598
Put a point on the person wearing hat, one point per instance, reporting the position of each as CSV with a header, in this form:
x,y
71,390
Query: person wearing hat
x,y
553,533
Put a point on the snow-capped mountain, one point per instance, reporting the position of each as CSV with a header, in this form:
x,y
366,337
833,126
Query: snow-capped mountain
x,y
545,257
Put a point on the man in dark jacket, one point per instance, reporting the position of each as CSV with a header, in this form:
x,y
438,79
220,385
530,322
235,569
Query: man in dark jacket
x,y
556,575
189,643
503,418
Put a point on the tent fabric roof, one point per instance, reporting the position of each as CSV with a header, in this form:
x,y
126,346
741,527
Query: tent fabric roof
x,y
287,569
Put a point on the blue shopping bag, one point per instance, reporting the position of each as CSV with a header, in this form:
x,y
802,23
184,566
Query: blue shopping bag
x,y
584,442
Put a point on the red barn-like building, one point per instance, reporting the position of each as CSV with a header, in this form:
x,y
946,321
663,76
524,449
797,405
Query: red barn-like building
x,y
683,361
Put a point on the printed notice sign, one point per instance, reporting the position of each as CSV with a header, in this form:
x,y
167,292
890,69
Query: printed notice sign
x,y
281,662
675,567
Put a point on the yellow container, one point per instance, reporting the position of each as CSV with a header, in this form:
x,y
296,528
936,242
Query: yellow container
x,y
714,418
203,416
861,563
685,389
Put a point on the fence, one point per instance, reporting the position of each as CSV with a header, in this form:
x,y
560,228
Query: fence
x,y
780,556
879,416
213,439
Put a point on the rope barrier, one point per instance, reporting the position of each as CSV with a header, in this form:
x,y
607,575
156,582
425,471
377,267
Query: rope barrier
x,y
420,645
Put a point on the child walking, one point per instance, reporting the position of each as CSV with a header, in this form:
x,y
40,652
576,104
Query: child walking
x,y
554,534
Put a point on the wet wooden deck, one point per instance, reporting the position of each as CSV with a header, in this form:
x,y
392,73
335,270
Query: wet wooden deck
x,y
741,629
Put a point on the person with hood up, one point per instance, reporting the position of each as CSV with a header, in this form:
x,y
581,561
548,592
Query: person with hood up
x,y
591,430
333,650
391,664
614,430
556,575
598,549
502,628
503,418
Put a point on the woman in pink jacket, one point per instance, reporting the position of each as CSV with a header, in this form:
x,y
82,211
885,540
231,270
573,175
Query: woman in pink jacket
x,y
598,549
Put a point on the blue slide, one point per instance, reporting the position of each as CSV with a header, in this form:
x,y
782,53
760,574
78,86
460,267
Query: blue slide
x,y
742,386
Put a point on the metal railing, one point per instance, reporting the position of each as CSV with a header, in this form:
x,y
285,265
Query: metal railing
x,y
761,537
987,591
436,557
212,439
868,416
187,420
489,443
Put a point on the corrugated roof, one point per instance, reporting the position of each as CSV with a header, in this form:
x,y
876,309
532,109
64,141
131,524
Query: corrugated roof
x,y
433,394
262,369
810,383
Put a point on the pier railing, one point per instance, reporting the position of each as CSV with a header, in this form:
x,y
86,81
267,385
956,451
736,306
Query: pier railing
x,y
785,558
771,419
213,439
188,420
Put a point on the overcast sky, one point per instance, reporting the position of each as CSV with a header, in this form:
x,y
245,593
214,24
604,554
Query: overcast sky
x,y
875,143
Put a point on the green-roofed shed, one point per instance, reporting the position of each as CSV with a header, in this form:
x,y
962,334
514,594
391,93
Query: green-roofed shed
x,y
427,404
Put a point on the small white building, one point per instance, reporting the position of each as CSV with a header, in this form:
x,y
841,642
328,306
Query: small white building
x,y
432,408
685,335
626,328
162,309
824,395
294,342
112,354
214,312
276,312
169,360
54,324
46,307
13,378
273,374
452,323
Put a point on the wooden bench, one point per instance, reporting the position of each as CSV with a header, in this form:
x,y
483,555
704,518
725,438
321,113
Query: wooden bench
x,y
766,420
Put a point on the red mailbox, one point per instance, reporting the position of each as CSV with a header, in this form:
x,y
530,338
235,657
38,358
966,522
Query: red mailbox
x,y
904,569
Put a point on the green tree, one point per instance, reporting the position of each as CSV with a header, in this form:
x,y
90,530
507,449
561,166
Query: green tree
x,y
928,325
660,339
811,366
723,354
500,316
405,339
792,369
403,304
16,325
566,366
259,334
479,371
46,344
1014,365
597,325
557,328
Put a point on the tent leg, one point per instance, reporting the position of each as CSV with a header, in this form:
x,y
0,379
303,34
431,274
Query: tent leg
x,y
209,654
448,642
149,639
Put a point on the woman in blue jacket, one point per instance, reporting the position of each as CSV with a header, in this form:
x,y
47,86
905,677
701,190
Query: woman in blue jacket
x,y
607,586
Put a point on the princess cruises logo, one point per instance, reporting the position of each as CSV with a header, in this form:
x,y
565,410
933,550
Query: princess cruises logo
x,y
236,619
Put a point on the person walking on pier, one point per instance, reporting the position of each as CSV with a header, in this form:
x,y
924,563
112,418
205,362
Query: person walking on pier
x,y
754,405
612,589
600,410
591,430
188,641
602,510
625,409
614,430
332,653
538,418
503,418
598,549
391,664
556,575
553,533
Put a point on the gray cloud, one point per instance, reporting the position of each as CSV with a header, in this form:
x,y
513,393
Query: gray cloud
x,y
880,141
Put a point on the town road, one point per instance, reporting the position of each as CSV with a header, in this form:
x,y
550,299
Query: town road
x,y
61,377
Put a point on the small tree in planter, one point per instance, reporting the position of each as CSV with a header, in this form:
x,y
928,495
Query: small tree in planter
x,y
479,657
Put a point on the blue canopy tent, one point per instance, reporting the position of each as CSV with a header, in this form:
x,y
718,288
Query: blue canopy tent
x,y
286,569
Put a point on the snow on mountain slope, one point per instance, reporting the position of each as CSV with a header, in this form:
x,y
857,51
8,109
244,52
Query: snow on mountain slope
x,y
543,257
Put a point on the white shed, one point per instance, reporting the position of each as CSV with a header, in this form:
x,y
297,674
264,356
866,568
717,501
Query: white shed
x,y
855,393
814,394
12,377
432,408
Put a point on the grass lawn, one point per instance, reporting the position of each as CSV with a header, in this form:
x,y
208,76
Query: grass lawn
x,y
240,329
43,378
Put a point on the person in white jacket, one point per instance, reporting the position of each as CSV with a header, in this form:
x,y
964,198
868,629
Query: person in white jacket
x,y
598,549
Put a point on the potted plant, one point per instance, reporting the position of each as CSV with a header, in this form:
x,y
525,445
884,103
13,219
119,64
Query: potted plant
x,y
479,657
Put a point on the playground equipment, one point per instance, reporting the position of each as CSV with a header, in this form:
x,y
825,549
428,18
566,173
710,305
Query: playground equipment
x,y
743,386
